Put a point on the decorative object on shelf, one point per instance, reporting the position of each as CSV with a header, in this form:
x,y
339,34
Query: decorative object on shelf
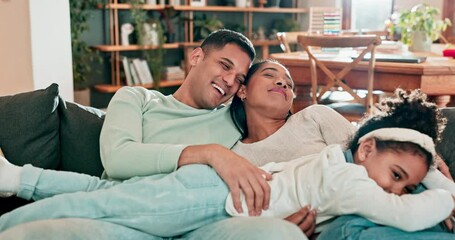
x,y
242,3
150,34
204,25
259,34
151,2
418,27
261,3
197,3
83,56
125,30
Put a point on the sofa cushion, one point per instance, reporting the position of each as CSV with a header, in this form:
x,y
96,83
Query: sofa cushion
x,y
80,128
447,147
29,131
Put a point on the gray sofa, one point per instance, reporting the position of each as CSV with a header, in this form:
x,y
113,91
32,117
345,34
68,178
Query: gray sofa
x,y
42,129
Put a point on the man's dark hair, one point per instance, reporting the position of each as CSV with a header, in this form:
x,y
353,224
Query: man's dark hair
x,y
220,38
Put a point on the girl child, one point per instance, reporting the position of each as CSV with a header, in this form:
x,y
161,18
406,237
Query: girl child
x,y
388,161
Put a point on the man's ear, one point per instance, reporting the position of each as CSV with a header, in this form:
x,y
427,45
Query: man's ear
x,y
366,148
241,93
196,55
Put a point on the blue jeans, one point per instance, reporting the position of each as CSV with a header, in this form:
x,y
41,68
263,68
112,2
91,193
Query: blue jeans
x,y
177,204
353,227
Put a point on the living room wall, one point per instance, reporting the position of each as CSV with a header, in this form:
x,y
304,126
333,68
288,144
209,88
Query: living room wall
x,y
35,47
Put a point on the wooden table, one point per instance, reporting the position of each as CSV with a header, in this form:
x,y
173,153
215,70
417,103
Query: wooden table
x,y
435,76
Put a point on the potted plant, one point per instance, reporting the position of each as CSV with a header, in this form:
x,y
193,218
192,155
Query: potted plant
x,y
204,25
419,28
82,55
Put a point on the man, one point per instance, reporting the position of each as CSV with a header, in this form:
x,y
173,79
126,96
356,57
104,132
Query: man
x,y
147,133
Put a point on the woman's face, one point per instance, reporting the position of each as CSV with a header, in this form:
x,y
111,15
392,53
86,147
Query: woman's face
x,y
270,89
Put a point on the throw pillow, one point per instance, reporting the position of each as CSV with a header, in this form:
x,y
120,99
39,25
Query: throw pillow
x,y
29,128
80,128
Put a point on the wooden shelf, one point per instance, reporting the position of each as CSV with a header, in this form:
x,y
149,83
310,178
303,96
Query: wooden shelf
x,y
126,6
108,88
239,9
256,43
113,48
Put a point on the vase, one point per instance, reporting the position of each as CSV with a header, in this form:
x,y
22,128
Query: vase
x,y
420,42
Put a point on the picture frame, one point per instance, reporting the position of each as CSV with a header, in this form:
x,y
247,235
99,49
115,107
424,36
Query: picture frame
x,y
197,3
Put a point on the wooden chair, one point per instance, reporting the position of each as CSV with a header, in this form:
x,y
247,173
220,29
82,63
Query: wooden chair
x,y
287,38
369,42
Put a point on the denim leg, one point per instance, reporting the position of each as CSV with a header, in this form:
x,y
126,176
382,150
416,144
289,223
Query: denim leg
x,y
37,183
248,228
171,205
352,227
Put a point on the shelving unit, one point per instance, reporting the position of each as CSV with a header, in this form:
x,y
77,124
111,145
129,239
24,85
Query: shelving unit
x,y
114,48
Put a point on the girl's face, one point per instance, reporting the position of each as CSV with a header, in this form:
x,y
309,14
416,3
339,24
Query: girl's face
x,y
270,88
396,172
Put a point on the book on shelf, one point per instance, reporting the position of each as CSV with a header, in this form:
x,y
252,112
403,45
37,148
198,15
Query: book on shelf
x,y
173,73
134,72
148,74
127,70
142,70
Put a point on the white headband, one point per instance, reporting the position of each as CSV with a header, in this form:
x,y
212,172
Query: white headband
x,y
402,135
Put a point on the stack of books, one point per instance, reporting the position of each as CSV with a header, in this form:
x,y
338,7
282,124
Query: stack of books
x,y
332,23
173,73
137,71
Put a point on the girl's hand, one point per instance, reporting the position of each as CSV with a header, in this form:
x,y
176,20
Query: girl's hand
x,y
305,219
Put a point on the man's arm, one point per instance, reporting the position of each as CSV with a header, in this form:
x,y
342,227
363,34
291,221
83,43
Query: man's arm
x,y
237,172
123,153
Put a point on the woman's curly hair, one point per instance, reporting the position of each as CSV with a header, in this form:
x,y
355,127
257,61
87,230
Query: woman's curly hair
x,y
404,110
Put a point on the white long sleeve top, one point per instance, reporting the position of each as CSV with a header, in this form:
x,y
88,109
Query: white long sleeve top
x,y
334,187
305,132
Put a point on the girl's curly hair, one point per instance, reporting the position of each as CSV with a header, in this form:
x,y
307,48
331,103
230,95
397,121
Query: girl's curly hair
x,y
407,109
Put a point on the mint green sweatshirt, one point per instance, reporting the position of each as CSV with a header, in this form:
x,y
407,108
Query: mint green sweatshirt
x,y
145,132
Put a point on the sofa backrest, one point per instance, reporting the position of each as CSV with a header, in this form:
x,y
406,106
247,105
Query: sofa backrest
x,y
447,147
80,128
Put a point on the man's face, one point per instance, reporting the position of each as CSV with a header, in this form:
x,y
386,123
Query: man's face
x,y
216,76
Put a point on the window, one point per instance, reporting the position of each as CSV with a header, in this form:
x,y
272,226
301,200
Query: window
x,y
367,14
